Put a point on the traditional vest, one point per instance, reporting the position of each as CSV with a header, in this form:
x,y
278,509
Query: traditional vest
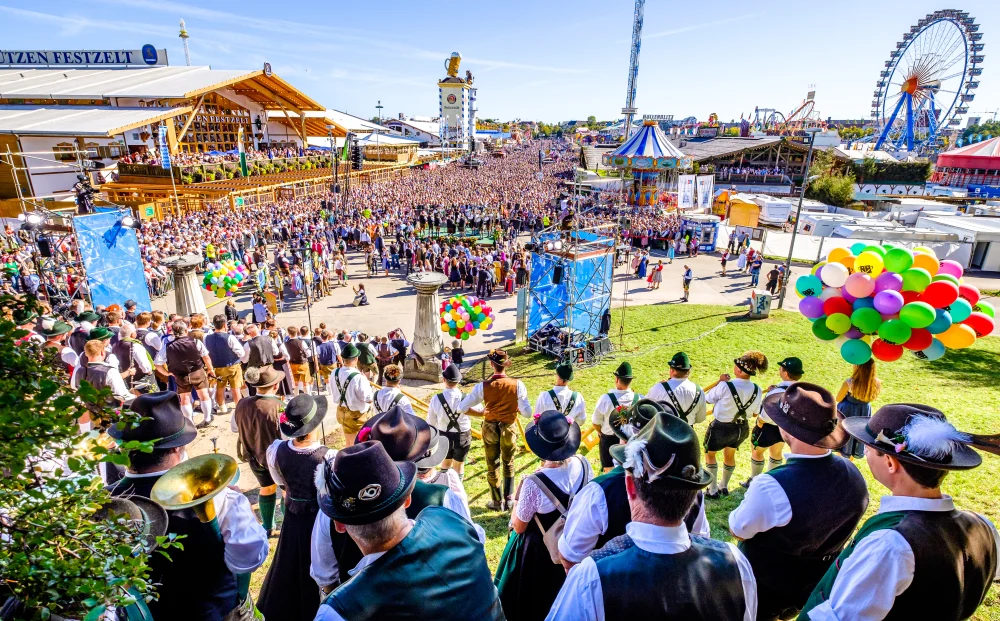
x,y
327,353
140,334
955,560
217,344
789,560
703,582
438,571
500,395
299,471
183,357
261,353
77,340
298,351
196,584
425,495
365,355
616,499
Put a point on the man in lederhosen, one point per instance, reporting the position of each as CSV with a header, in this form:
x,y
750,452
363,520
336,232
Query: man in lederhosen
x,y
444,414
504,397
561,397
226,353
608,406
256,422
686,397
391,395
351,393
186,359
765,435
790,525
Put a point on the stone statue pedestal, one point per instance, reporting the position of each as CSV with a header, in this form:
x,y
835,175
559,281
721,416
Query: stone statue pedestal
x,y
427,340
187,290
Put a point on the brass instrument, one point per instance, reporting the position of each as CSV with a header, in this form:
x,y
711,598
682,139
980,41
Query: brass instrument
x,y
191,484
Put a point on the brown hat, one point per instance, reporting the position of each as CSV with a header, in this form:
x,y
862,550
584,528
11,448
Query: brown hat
x,y
262,377
498,357
809,413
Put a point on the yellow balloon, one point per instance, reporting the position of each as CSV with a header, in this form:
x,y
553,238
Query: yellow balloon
x,y
869,263
445,327
816,268
923,250
927,261
460,324
958,336
837,254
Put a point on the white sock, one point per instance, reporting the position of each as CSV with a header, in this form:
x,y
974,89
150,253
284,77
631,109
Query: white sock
x,y
188,411
206,407
713,469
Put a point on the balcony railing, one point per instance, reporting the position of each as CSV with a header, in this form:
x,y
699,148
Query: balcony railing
x,y
750,178
197,173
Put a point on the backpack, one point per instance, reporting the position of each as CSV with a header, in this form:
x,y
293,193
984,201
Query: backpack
x,y
551,536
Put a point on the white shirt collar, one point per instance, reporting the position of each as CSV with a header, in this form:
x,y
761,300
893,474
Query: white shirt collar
x,y
909,503
800,456
659,539
136,475
368,559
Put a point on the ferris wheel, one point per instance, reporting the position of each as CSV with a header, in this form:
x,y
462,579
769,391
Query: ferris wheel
x,y
928,82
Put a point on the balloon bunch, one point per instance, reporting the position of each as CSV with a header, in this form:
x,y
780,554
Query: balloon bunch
x,y
463,316
879,301
224,277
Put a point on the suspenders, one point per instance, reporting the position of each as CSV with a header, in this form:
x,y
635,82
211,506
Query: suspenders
x,y
395,400
452,417
614,399
343,389
741,407
676,402
569,404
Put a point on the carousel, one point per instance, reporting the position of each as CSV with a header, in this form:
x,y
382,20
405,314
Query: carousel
x,y
648,154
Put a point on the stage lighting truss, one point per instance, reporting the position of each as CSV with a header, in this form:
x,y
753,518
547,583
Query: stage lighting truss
x,y
31,221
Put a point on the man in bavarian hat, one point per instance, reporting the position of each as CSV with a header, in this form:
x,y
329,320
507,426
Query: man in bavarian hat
x,y
918,557
429,568
444,414
795,519
351,392
256,423
561,397
610,405
600,512
504,398
391,395
679,392
210,577
657,570
765,436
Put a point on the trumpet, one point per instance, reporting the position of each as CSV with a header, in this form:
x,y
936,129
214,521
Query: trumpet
x,y
193,483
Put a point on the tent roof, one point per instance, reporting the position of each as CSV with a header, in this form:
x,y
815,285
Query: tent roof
x,y
80,120
649,141
985,155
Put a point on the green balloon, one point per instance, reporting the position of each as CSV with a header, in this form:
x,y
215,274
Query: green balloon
x,y
858,248
960,310
916,279
947,277
823,333
898,260
986,308
895,331
876,249
856,351
838,323
867,320
917,314
465,336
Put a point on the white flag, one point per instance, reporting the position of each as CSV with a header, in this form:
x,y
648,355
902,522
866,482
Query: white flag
x,y
685,191
706,190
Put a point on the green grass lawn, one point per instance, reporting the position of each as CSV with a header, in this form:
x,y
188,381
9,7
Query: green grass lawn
x,y
963,384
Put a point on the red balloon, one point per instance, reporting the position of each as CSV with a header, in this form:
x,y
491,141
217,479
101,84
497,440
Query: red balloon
x,y
981,323
885,351
920,338
910,296
969,293
837,305
940,293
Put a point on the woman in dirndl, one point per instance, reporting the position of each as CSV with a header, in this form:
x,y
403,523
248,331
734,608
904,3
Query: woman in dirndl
x,y
855,398
656,275
527,578
522,272
286,387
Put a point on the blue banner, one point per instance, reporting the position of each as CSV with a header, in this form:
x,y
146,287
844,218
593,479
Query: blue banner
x,y
110,254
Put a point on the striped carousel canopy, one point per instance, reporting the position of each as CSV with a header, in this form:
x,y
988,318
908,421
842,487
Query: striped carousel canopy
x,y
647,149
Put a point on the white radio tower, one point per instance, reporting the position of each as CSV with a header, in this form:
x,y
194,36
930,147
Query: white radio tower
x,y
184,38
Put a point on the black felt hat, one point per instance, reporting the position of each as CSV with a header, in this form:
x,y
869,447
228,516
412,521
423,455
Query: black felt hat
x,y
793,365
628,422
680,361
406,437
302,414
553,436
163,424
808,412
664,452
917,434
564,371
150,518
452,374
362,484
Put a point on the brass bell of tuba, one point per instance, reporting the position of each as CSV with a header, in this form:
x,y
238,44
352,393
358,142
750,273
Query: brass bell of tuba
x,y
192,483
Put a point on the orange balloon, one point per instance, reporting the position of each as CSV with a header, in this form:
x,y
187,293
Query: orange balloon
x,y
958,336
927,261
837,254
848,262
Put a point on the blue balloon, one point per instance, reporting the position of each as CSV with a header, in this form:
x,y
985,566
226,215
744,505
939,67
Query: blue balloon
x,y
932,353
863,303
941,323
960,309
858,248
452,324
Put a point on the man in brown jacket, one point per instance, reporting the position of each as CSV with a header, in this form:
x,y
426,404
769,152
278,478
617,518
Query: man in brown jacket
x,y
256,422
504,398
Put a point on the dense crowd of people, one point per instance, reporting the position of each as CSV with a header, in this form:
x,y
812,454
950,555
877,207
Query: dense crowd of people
x,y
191,158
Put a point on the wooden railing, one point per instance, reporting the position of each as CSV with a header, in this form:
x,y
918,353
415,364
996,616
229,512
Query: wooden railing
x,y
198,173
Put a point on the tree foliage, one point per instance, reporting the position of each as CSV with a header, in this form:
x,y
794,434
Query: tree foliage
x,y
850,134
871,170
835,185
989,129
55,558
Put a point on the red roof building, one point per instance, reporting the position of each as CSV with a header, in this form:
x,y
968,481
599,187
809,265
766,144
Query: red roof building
x,y
971,165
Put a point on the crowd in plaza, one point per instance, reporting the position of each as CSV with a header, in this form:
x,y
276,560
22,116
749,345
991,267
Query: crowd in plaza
x,y
750,170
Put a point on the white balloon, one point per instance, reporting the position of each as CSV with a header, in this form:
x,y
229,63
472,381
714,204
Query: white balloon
x,y
830,292
834,274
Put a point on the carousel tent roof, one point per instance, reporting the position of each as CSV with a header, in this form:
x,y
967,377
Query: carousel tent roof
x,y
649,141
985,154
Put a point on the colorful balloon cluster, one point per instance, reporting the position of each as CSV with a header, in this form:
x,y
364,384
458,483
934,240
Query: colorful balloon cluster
x,y
464,316
879,301
225,277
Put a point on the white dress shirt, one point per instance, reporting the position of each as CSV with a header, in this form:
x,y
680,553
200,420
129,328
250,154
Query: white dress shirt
x,y
244,538
436,416
384,397
765,505
686,392
880,567
725,407
603,409
475,397
141,359
567,477
359,389
563,393
582,599
779,388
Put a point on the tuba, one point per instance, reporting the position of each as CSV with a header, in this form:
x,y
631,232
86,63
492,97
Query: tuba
x,y
191,484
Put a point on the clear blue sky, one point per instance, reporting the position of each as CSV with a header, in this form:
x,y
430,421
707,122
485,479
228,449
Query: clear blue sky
x,y
544,60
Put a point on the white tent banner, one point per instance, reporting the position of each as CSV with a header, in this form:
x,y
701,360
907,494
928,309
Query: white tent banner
x,y
685,191
706,190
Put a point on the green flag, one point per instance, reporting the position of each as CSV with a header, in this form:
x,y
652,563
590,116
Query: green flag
x,y
243,154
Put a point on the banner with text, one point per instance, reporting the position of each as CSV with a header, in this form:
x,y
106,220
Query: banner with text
x,y
706,191
685,191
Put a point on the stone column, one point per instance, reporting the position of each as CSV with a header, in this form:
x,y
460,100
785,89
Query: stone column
x,y
187,292
427,341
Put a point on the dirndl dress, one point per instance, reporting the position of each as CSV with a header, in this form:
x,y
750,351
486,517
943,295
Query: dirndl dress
x,y
853,407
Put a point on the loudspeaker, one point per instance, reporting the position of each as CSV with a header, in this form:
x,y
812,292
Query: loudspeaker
x,y
599,347
44,247
557,274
